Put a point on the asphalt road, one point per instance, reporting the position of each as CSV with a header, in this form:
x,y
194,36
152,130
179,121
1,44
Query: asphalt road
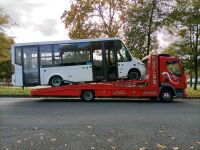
x,y
41,124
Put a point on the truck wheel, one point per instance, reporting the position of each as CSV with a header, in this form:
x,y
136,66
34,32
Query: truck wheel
x,y
134,75
55,81
166,96
87,96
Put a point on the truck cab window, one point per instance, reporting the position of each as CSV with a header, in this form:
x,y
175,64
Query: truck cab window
x,y
174,68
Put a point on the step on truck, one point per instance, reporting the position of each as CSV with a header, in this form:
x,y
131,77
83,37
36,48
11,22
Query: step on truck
x,y
164,79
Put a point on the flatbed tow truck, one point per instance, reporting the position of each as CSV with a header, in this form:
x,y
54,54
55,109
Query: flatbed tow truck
x,y
165,79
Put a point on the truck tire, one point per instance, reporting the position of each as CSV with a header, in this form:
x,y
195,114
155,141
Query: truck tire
x,y
87,95
134,75
166,96
55,81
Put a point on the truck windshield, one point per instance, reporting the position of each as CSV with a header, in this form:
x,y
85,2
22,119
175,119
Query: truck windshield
x,y
174,68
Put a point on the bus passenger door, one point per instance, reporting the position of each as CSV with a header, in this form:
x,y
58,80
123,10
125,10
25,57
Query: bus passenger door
x,y
104,61
98,65
30,66
111,60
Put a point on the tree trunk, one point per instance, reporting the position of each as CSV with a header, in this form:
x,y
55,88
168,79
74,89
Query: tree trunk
x,y
190,78
150,26
195,72
196,58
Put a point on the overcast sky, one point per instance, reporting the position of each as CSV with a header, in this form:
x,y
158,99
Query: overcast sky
x,y
36,20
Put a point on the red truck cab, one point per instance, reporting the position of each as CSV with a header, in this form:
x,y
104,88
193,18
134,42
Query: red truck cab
x,y
168,73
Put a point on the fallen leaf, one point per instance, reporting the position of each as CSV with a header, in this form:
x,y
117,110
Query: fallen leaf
x,y
114,147
93,135
41,138
109,140
191,147
172,138
35,128
92,148
142,148
112,131
54,139
89,127
41,133
65,145
198,142
175,148
161,146
19,141
160,131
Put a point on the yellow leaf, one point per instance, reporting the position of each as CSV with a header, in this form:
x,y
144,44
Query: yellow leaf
x,y
173,138
198,142
114,147
175,148
89,127
161,146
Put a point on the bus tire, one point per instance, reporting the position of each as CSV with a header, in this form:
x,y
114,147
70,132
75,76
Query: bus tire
x,y
134,74
166,96
55,81
87,95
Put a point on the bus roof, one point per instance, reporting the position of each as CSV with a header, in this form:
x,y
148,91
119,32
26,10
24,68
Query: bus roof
x,y
64,41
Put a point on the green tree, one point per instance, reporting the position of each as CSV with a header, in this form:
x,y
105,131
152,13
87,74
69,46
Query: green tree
x,y
90,19
145,17
185,19
5,45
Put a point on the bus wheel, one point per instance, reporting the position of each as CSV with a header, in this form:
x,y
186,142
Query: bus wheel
x,y
134,75
166,96
55,81
87,96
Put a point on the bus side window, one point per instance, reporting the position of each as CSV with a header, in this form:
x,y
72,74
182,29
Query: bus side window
x,y
45,55
122,53
75,54
56,55
18,56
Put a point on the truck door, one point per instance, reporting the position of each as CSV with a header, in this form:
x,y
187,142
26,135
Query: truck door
x,y
171,72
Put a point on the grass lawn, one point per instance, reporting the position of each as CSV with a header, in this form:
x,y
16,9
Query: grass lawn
x,y
193,93
9,91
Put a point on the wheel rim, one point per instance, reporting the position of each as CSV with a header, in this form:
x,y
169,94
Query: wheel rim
x,y
56,82
88,95
167,96
133,75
